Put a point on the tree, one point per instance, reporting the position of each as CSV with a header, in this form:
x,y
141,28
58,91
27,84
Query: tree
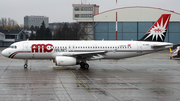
x,y
3,22
69,31
36,28
32,28
48,35
33,36
16,27
21,27
58,32
75,28
43,33
40,34
8,24
7,27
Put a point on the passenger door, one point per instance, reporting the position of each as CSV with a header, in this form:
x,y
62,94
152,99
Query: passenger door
x,y
139,47
25,46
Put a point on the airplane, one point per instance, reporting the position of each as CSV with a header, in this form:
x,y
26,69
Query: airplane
x,y
175,53
70,53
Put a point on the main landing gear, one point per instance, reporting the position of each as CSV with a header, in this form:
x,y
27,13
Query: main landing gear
x,y
84,65
26,64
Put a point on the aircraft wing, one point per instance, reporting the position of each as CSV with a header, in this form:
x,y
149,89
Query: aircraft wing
x,y
90,55
85,55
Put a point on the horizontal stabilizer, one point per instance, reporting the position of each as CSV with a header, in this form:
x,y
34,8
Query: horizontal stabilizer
x,y
162,46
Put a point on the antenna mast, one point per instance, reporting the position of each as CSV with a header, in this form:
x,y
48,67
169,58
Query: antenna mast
x,y
83,1
116,21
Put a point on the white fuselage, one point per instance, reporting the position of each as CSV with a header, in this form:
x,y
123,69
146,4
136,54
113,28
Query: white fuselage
x,y
51,49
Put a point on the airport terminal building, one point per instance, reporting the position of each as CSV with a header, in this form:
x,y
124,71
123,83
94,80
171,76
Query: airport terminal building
x,y
133,22
35,21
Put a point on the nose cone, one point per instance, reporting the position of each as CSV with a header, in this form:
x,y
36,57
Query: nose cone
x,y
5,53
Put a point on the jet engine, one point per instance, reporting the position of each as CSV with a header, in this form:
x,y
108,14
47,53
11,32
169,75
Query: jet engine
x,y
65,61
178,53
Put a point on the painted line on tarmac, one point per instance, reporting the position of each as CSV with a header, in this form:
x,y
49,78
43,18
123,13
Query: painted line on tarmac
x,y
84,85
56,67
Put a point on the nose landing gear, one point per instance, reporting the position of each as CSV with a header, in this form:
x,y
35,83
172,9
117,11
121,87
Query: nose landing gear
x,y
26,64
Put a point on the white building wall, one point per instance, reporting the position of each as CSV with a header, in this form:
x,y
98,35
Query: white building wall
x,y
94,9
135,14
35,21
2,36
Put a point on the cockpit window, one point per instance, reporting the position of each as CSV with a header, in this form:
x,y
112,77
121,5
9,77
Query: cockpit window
x,y
14,47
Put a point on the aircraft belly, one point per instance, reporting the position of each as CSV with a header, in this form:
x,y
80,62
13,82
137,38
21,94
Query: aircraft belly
x,y
42,56
33,56
23,56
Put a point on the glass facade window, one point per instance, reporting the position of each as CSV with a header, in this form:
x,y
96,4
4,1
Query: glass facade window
x,y
100,36
76,8
174,37
129,36
101,27
174,27
11,36
143,27
76,15
133,31
82,8
90,9
90,15
86,8
82,15
129,27
86,15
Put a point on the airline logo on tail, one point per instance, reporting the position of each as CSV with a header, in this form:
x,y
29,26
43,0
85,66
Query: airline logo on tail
x,y
158,31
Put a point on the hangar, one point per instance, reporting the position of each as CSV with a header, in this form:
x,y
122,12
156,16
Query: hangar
x,y
133,22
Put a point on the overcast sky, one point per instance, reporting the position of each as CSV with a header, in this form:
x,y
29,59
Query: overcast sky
x,y
61,10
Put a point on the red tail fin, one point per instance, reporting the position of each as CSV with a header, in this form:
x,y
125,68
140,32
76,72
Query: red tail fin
x,y
158,31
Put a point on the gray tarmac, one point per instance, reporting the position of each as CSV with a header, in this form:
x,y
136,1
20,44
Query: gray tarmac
x,y
152,77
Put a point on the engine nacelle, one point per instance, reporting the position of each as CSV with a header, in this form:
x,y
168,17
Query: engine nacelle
x,y
65,61
178,52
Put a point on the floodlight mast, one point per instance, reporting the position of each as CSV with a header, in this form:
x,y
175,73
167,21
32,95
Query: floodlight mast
x,y
116,21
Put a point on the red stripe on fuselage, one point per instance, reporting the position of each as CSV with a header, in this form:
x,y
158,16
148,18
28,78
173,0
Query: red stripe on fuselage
x,y
117,51
15,54
19,52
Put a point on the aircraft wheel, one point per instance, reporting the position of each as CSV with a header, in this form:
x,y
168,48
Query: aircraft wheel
x,y
170,57
86,66
25,66
82,64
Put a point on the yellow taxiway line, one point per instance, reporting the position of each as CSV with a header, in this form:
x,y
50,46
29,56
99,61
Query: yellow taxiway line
x,y
84,85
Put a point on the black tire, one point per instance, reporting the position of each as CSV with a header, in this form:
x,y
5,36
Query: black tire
x,y
25,66
82,64
86,66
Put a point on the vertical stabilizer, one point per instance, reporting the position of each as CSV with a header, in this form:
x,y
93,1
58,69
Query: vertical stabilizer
x,y
158,31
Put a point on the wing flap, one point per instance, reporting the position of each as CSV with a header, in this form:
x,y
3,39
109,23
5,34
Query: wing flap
x,y
83,53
